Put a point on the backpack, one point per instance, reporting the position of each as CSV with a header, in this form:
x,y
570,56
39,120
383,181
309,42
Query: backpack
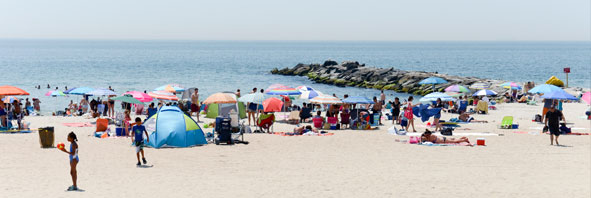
x,y
447,131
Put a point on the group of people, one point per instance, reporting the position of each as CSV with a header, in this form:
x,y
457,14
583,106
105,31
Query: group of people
x,y
16,111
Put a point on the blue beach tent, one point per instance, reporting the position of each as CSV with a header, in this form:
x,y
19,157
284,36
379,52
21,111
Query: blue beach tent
x,y
170,127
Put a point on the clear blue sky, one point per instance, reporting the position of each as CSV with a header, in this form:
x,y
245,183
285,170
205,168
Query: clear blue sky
x,y
297,19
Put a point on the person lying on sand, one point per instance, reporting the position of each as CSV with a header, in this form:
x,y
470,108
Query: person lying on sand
x,y
304,129
428,136
467,118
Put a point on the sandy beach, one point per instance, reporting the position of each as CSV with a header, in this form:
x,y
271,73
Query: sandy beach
x,y
347,164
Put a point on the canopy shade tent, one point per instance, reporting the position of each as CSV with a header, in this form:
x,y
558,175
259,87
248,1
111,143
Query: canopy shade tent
x,y
188,93
7,90
141,96
80,90
127,99
544,88
223,109
559,95
358,100
485,92
434,96
170,127
432,81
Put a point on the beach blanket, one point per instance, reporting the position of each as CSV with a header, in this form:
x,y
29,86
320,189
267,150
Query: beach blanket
x,y
424,112
305,134
16,131
572,133
78,124
451,144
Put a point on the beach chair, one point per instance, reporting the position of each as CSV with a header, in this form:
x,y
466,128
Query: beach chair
x,y
119,117
294,117
482,106
318,122
507,122
101,125
332,121
266,121
345,118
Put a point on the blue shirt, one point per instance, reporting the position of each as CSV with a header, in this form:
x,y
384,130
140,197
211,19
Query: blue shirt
x,y
137,131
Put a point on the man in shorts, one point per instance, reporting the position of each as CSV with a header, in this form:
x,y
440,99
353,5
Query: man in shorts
x,y
137,139
195,108
552,122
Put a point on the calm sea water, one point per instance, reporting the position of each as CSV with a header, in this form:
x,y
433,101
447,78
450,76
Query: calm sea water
x,y
216,66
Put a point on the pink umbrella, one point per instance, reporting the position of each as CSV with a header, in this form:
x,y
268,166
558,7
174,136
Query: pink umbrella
x,y
587,97
141,96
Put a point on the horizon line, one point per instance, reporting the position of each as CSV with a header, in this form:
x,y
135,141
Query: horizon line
x,y
294,40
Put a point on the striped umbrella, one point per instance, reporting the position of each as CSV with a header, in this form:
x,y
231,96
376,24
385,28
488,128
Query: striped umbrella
x,y
434,96
457,88
275,86
511,85
220,98
325,99
485,92
9,99
310,94
163,95
479,85
55,93
304,88
288,91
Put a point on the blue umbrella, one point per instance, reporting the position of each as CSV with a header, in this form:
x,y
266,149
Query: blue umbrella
x,y
432,81
559,95
80,90
484,92
358,100
69,90
310,94
102,92
433,97
544,88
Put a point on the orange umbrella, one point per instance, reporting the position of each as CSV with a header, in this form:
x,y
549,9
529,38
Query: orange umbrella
x,y
162,95
220,98
272,105
8,90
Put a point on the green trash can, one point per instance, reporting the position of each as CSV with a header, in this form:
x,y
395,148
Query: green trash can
x,y
46,137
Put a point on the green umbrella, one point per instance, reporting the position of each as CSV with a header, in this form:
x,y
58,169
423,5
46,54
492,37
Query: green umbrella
x,y
127,99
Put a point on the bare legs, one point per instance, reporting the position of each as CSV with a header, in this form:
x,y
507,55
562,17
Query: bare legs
x,y
73,171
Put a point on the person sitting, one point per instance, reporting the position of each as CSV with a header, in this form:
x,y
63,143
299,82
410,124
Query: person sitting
x,y
304,129
465,117
428,136
318,120
305,112
151,110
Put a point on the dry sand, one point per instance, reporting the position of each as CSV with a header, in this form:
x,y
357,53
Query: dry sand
x,y
347,164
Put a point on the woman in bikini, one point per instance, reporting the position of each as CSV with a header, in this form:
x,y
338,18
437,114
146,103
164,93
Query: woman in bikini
x,y
429,137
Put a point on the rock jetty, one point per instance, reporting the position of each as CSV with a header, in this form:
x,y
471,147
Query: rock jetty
x,y
353,74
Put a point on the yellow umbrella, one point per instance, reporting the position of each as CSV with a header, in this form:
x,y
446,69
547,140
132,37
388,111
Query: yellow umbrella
x,y
220,98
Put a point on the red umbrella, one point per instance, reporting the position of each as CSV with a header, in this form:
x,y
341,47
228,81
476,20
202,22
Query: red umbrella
x,y
8,90
272,105
285,98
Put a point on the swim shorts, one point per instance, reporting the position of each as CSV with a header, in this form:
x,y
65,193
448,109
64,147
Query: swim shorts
x,y
139,145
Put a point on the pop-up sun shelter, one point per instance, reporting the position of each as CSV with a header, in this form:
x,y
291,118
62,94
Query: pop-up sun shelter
x,y
214,110
170,127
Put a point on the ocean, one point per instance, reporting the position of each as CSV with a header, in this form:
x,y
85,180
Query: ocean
x,y
216,66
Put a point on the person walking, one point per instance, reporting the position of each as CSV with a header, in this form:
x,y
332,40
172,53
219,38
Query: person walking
x,y
552,123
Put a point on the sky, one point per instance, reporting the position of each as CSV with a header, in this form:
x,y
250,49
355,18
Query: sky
x,y
383,20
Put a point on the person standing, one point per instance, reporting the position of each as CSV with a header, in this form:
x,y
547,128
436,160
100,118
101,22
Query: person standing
x,y
395,110
552,122
195,108
27,105
238,93
377,109
382,97
251,109
36,105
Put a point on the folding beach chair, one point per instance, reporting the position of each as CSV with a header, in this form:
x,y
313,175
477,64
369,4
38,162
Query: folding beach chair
x,y
266,121
318,122
294,117
482,106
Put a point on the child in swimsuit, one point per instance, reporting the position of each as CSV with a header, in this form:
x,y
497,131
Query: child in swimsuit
x,y
73,155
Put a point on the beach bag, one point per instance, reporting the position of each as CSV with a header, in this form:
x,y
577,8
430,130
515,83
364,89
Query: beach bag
x,y
413,140
408,114
447,131
538,118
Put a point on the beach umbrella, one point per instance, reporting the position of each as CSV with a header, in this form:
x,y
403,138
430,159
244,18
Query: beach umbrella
x,y
7,90
303,88
272,105
9,99
55,93
310,94
80,90
511,85
69,90
485,92
275,86
358,100
432,81
544,88
479,85
559,95
163,95
325,99
288,91
220,98
257,98
141,96
128,99
434,96
172,88
457,88
454,94
101,92
587,97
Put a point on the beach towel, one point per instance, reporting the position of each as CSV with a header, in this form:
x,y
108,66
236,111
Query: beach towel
x,y
305,134
451,144
424,112
78,124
